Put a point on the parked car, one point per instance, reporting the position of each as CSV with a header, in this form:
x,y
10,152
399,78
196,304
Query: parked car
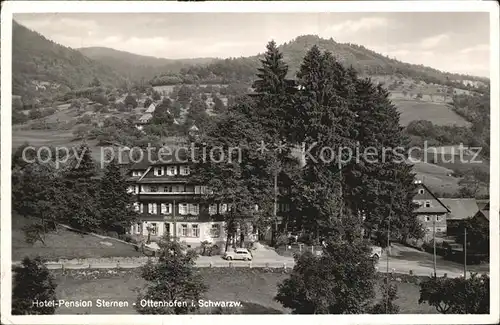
x,y
376,253
238,254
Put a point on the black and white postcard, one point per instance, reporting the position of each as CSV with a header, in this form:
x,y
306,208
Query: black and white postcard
x,y
220,159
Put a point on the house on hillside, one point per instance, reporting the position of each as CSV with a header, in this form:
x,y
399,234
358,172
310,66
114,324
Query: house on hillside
x,y
170,201
210,102
431,211
482,203
143,120
151,108
193,130
461,209
483,215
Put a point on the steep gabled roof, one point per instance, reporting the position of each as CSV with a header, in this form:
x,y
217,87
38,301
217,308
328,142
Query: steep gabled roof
x,y
146,117
151,108
485,212
442,207
461,208
145,162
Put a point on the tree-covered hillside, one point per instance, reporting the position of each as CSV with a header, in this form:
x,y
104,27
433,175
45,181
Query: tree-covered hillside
x,y
42,68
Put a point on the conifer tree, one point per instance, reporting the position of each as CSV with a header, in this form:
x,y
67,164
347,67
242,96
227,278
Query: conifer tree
x,y
115,203
272,92
81,168
80,195
273,99
326,130
386,176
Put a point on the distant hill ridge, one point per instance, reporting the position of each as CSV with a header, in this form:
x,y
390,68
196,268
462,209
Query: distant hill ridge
x,y
366,61
43,68
137,66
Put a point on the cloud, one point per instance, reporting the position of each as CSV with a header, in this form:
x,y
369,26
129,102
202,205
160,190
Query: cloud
x,y
352,26
78,23
476,48
433,41
54,24
461,61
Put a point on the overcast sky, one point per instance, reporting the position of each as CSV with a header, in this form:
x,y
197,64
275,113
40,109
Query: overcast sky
x,y
454,42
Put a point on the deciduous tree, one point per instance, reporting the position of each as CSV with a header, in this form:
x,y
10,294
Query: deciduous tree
x,y
130,101
32,282
148,102
478,235
37,194
197,114
173,278
340,281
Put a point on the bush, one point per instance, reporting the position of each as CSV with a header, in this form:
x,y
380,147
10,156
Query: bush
x,y
85,119
386,305
49,111
130,101
121,107
112,234
125,237
306,239
35,114
148,102
19,118
457,295
281,240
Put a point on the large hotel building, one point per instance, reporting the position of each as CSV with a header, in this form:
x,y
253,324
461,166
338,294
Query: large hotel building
x,y
169,201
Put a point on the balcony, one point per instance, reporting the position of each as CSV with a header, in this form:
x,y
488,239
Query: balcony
x,y
168,193
172,190
147,196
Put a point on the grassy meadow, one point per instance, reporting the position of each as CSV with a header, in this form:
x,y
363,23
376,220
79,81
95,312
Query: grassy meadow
x,y
437,113
65,244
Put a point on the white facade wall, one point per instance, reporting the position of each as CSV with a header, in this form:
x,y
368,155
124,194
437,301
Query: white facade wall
x,y
204,231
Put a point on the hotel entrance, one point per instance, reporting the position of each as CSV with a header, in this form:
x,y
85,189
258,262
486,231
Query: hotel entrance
x,y
166,228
